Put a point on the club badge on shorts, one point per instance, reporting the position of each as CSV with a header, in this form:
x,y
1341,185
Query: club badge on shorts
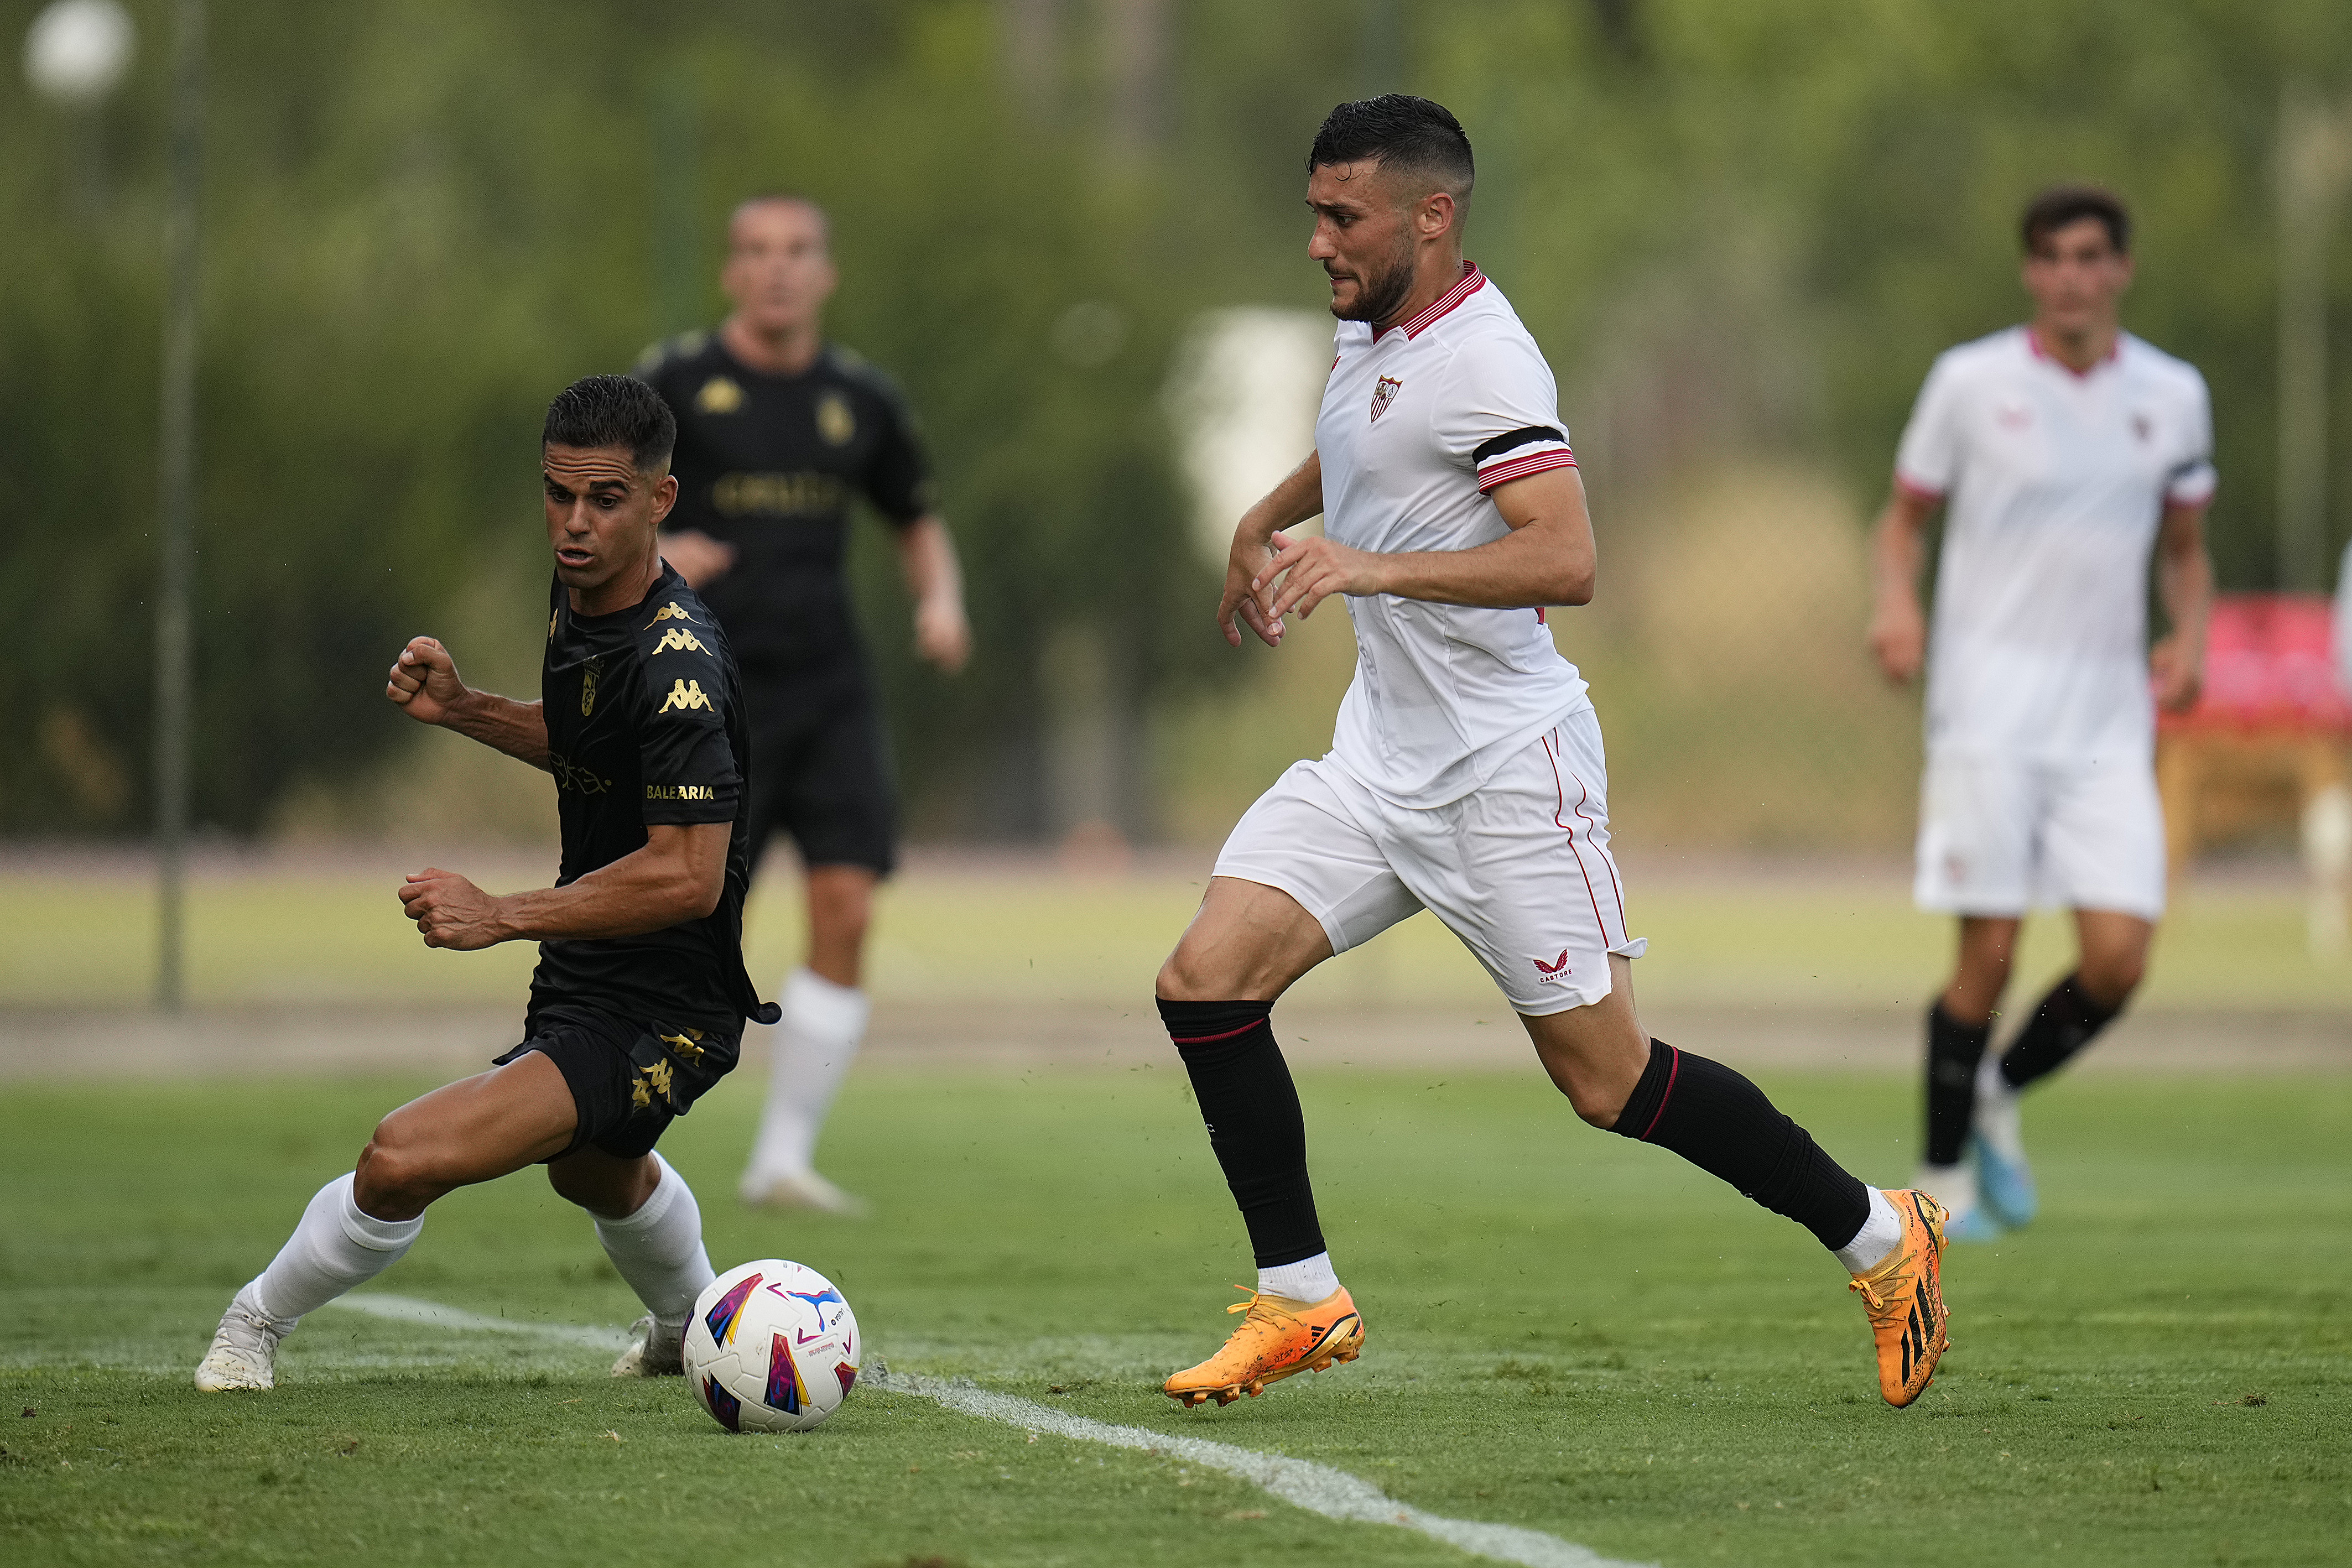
x,y
1384,395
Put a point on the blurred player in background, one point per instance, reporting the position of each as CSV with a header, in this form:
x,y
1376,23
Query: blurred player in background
x,y
1467,775
779,433
640,996
2065,453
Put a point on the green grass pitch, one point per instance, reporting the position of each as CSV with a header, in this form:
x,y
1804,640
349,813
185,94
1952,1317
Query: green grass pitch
x,y
1567,1331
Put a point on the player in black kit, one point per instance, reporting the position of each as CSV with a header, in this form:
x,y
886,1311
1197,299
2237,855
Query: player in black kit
x,y
780,434
640,995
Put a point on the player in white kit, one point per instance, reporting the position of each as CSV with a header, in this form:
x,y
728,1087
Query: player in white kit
x,y
2062,453
1467,775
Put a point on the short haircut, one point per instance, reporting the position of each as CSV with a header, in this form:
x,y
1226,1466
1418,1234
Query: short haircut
x,y
794,198
1406,135
2056,207
613,410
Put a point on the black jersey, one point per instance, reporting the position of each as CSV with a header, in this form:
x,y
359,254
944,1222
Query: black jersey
x,y
645,726
771,465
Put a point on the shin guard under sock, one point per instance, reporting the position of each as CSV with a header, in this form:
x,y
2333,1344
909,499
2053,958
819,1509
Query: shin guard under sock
x,y
1954,1048
1255,1126
2066,1022
1722,1124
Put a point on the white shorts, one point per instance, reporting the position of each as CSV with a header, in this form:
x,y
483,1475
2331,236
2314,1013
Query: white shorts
x,y
1519,869
2001,836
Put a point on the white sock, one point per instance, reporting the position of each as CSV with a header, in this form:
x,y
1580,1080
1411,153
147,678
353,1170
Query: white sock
x,y
1878,1238
816,1042
658,1249
334,1247
1995,1115
1308,1279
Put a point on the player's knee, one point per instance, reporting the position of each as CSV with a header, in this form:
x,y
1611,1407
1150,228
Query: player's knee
x,y
395,1177
1596,1107
2111,977
1182,979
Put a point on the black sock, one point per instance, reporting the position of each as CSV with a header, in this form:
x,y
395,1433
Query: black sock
x,y
1255,1126
1954,1049
2064,1023
1722,1124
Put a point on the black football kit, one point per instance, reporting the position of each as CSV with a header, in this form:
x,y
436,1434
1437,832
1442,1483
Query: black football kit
x,y
645,727
773,464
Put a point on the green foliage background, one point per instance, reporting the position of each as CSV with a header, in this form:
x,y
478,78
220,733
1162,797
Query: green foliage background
x,y
1735,228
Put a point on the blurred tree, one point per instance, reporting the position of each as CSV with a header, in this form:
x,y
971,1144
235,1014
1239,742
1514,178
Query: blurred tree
x,y
1733,228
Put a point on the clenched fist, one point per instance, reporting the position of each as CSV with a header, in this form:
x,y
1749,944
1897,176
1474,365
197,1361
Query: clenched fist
x,y
424,682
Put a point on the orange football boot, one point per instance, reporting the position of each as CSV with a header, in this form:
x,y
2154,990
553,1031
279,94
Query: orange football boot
x,y
1905,1298
1278,1337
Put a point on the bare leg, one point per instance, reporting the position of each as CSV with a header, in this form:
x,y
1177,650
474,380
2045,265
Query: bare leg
x,y
475,1129
1988,945
840,908
1595,1054
1248,942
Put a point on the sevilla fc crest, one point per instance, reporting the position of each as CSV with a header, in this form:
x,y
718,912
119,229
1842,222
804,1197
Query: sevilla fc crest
x,y
1384,395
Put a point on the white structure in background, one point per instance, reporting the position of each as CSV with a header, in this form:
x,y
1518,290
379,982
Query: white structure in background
x,y
77,51
2327,815
1243,399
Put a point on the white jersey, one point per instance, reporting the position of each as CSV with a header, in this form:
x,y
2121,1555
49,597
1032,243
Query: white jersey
x,y
2056,483
1419,423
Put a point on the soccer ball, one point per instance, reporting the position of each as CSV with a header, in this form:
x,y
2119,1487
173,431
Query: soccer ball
x,y
771,1347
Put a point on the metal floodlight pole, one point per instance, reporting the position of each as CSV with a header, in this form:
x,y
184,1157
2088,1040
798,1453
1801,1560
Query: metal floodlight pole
x,y
175,475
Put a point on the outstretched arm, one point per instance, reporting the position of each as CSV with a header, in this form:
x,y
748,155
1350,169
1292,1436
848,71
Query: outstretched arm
x,y
678,875
927,554
1548,557
1298,498
424,682
1898,627
2184,580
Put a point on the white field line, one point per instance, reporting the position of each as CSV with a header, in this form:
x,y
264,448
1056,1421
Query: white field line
x,y
1319,1488
433,1314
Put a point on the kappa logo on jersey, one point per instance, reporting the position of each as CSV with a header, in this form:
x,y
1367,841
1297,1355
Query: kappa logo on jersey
x,y
679,637
834,419
720,394
670,612
1555,972
685,696
1383,393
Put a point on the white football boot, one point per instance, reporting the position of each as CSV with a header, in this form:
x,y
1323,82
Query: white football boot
x,y
802,1189
245,1348
659,1351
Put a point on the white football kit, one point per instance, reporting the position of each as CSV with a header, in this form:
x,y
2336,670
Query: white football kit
x,y
2040,786
1467,775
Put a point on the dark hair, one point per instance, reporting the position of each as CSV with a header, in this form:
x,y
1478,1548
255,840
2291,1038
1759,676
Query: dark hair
x,y
613,410
2056,207
1406,134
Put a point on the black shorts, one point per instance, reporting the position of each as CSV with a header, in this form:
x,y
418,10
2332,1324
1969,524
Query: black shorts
x,y
628,1082
821,771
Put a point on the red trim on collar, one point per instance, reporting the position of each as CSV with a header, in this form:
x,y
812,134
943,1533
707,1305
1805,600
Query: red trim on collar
x,y
1472,281
2034,341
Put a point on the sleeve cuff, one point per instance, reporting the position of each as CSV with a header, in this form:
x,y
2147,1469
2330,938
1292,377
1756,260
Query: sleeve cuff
x,y
2192,486
1504,468
1919,489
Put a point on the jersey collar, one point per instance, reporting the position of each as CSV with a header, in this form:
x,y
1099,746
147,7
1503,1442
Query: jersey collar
x,y
2033,345
1472,281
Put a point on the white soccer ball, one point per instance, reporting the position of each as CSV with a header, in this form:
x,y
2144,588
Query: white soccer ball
x,y
771,1347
